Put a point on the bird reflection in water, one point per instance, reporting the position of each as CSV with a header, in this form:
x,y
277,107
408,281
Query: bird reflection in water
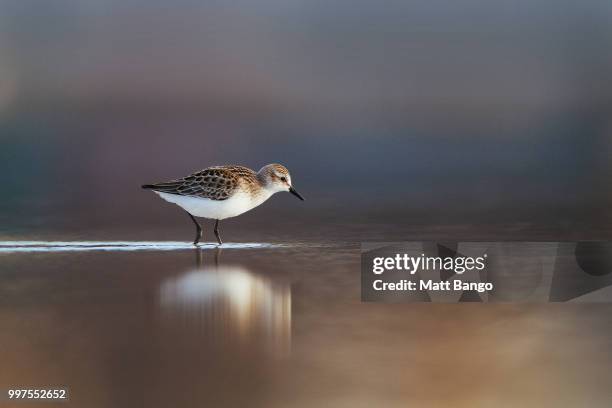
x,y
229,304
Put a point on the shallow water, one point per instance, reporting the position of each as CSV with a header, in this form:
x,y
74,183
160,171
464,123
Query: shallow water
x,y
70,246
160,324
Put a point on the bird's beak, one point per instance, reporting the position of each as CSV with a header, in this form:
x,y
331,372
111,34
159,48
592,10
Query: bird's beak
x,y
295,193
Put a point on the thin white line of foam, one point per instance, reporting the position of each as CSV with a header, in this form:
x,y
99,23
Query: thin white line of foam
x,y
72,246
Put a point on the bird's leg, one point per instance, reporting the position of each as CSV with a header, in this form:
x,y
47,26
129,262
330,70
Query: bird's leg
x,y
217,232
198,229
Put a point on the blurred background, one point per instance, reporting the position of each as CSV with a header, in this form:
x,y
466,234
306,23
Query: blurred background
x,y
393,114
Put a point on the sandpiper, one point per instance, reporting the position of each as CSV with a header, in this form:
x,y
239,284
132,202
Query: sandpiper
x,y
221,192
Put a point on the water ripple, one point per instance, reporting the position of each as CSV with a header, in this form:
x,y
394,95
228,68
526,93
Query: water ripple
x,y
72,246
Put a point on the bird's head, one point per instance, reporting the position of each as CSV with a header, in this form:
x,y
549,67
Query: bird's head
x,y
275,178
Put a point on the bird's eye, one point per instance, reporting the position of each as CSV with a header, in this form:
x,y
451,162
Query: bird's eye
x,y
283,179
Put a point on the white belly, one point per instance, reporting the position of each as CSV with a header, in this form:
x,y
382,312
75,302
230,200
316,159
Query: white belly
x,y
215,209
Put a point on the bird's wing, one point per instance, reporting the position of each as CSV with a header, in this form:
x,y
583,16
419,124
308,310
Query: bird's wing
x,y
214,183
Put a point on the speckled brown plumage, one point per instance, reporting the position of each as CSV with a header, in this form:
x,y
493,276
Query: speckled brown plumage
x,y
215,183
